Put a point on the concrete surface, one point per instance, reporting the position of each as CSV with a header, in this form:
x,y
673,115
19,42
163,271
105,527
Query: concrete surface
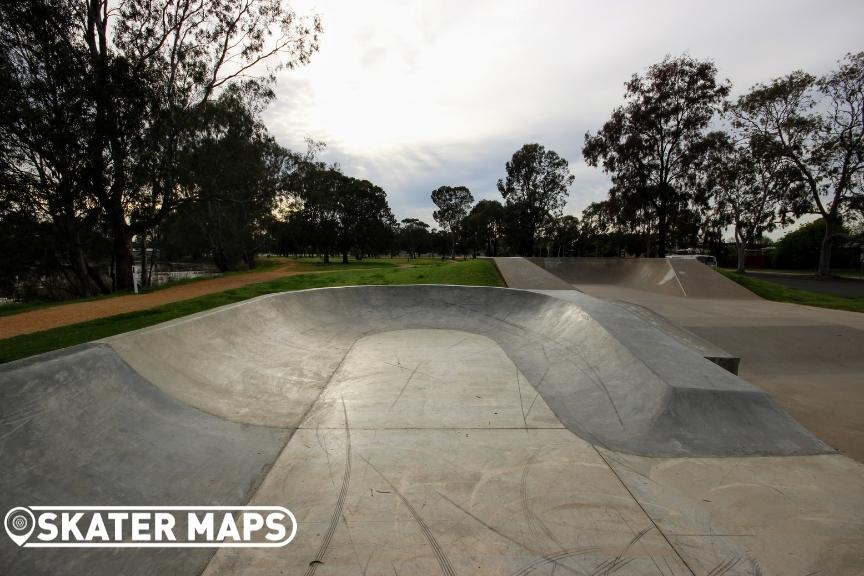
x,y
652,274
517,275
662,276
79,427
809,359
609,377
425,430
706,349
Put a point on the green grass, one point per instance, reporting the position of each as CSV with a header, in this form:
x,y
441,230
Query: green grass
x,y
469,272
840,272
778,293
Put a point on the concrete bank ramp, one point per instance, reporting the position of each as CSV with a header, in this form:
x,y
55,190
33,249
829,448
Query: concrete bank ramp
x,y
649,274
701,281
609,377
666,276
79,427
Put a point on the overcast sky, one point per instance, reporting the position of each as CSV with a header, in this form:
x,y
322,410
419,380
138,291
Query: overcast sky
x,y
414,95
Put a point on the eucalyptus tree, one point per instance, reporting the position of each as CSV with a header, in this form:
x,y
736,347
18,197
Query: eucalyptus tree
x,y
816,126
536,186
752,190
45,115
124,82
453,203
647,146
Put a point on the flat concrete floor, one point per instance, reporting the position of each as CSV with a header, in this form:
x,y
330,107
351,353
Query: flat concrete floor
x,y
429,452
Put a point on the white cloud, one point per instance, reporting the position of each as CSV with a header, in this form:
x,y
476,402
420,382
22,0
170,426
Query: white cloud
x,y
413,95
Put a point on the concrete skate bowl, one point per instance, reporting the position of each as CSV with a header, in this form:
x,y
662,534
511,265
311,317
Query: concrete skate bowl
x,y
197,410
257,367
666,276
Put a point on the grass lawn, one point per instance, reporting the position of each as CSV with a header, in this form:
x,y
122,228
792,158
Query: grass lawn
x,y
840,272
776,292
425,271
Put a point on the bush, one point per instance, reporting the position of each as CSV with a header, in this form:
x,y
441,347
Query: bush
x,y
799,249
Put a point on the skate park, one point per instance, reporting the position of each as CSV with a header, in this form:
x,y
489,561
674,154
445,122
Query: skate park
x,y
537,429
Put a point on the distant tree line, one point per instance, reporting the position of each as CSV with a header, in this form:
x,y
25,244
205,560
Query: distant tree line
x,y
687,164
789,147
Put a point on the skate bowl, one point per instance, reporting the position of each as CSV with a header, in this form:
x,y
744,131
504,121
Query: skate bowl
x,y
257,367
665,276
233,404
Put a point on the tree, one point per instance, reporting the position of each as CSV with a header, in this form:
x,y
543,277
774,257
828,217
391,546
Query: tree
x,y
486,220
320,192
536,185
124,84
564,236
647,145
414,236
45,115
816,126
800,248
235,173
750,188
364,217
453,203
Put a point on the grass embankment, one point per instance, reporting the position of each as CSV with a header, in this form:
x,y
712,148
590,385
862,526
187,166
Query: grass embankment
x,y
778,293
426,271
853,273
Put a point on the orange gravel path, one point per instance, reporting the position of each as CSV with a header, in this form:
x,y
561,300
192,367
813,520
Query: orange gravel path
x,y
74,312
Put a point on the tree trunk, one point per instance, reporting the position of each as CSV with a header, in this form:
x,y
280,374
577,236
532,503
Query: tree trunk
x,y
79,267
741,248
344,257
145,279
825,249
220,260
662,231
123,261
742,257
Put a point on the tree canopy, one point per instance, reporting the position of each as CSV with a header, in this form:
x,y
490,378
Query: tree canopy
x,y
536,186
453,203
648,144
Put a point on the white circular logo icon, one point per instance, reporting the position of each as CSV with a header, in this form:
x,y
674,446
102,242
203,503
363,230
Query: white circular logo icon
x,y
19,523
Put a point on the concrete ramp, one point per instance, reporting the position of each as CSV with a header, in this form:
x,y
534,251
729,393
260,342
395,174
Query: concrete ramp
x,y
701,281
610,377
664,276
79,427
649,274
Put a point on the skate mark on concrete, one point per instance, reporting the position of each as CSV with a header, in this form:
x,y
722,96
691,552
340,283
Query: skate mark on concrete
x,y
340,501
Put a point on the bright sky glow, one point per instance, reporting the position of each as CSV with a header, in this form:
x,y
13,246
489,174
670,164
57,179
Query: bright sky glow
x,y
414,95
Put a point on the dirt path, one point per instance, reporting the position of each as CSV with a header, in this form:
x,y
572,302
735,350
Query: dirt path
x,y
74,312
